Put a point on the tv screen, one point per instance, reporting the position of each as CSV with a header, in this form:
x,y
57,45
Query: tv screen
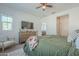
x,y
26,25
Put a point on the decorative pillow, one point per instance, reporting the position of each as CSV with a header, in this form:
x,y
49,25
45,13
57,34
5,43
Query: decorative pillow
x,y
77,43
33,42
72,36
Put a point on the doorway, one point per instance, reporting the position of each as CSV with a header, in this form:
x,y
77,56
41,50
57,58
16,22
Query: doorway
x,y
62,25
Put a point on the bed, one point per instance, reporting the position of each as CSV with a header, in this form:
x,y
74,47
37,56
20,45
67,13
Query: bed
x,y
52,46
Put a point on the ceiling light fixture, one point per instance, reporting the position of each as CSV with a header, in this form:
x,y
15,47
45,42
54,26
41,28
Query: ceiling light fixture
x,y
44,6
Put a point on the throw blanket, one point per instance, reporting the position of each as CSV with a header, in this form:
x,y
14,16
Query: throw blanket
x,y
73,36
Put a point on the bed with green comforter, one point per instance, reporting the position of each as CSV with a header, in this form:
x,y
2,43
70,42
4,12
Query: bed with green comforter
x,y
52,46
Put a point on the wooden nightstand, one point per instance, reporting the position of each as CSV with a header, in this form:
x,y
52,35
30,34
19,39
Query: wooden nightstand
x,y
24,35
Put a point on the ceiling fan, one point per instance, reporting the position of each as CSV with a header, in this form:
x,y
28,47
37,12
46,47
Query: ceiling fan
x,y
44,6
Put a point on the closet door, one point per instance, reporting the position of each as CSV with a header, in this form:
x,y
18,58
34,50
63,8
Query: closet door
x,y
62,25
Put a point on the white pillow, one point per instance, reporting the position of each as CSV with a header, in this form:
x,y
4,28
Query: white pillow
x,y
77,43
69,39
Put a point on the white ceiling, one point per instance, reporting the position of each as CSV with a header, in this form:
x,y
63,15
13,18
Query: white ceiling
x,y
31,8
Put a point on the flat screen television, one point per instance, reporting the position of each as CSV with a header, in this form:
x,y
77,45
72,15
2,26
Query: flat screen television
x,y
26,25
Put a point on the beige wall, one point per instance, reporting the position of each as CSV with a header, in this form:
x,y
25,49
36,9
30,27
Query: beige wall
x,y
73,20
17,16
50,20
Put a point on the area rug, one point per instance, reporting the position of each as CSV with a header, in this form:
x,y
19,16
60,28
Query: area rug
x,y
3,54
17,52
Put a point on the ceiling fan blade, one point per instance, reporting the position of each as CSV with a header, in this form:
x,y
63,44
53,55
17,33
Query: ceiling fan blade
x,y
43,3
38,7
49,5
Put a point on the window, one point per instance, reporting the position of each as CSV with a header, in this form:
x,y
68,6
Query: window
x,y
6,23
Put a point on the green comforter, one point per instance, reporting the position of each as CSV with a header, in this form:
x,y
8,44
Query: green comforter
x,y
50,46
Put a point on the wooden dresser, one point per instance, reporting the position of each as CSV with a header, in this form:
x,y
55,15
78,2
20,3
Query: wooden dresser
x,y
24,35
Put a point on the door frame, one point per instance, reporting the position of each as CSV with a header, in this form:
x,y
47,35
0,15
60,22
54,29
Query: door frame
x,y
58,24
